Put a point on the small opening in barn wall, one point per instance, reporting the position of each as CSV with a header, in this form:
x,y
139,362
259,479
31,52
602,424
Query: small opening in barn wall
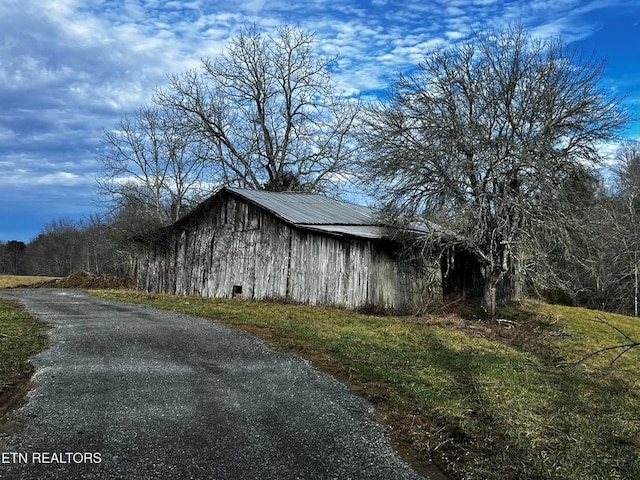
x,y
236,291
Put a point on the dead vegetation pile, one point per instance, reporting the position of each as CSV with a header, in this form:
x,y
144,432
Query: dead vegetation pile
x,y
86,280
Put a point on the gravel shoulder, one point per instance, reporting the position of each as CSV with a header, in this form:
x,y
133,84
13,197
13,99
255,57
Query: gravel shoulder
x,y
127,391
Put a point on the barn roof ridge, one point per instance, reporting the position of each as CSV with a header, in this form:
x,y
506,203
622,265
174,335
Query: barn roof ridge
x,y
307,209
345,218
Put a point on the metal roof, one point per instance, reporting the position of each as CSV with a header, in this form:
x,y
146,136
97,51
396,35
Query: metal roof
x,y
310,208
317,212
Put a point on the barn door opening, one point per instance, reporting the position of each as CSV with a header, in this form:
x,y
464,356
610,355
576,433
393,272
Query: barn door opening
x,y
236,291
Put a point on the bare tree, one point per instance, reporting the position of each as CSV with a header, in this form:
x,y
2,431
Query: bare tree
x,y
57,250
627,168
485,134
625,213
564,261
150,160
269,112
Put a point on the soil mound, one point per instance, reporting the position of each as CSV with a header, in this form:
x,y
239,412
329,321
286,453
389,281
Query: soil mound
x,y
87,280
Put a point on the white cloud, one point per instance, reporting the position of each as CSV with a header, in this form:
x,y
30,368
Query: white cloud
x,y
25,177
66,179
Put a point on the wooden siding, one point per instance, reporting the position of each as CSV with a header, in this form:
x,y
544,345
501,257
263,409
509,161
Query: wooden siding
x,y
232,243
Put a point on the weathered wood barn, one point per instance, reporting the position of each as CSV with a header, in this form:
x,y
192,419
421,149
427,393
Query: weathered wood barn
x,y
296,246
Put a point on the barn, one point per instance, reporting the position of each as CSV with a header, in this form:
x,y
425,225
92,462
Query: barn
x,y
299,247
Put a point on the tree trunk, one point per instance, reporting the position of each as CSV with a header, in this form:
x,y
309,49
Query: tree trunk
x,y
635,284
489,295
518,276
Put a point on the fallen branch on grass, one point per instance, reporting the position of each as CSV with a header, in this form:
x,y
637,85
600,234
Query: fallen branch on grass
x,y
507,323
625,347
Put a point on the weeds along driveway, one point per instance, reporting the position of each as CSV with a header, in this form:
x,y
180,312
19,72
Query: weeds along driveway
x,y
127,391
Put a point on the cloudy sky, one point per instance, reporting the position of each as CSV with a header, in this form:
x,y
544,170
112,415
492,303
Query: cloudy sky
x,y
70,69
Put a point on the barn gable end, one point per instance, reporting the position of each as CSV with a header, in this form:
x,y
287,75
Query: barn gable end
x,y
300,247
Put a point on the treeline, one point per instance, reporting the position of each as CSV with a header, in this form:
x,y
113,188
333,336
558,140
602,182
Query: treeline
x,y
97,244
598,265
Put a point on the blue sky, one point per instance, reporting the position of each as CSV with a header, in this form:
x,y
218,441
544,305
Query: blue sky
x,y
69,69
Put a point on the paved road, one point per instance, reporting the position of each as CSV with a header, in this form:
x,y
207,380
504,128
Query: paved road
x,y
132,392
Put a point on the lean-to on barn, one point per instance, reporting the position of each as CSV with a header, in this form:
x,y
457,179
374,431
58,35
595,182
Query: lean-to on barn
x,y
296,246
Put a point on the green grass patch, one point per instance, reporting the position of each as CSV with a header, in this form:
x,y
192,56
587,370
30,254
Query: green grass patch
x,y
462,394
21,336
580,332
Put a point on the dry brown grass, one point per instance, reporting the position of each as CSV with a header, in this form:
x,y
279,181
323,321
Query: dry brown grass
x,y
12,281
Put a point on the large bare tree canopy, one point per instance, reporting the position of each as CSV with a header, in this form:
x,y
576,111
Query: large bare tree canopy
x,y
486,135
269,111
151,163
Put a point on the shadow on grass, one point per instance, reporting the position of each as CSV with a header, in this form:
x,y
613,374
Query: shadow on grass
x,y
558,423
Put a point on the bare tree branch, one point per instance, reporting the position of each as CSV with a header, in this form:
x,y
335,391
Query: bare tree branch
x,y
625,347
269,112
488,135
151,160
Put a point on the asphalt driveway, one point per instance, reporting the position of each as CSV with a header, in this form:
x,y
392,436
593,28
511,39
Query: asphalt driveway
x,y
127,391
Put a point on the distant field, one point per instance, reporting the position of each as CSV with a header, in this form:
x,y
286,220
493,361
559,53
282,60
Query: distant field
x,y
8,281
483,401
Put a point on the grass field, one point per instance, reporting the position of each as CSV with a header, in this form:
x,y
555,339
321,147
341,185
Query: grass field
x,y
481,401
21,336
8,281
